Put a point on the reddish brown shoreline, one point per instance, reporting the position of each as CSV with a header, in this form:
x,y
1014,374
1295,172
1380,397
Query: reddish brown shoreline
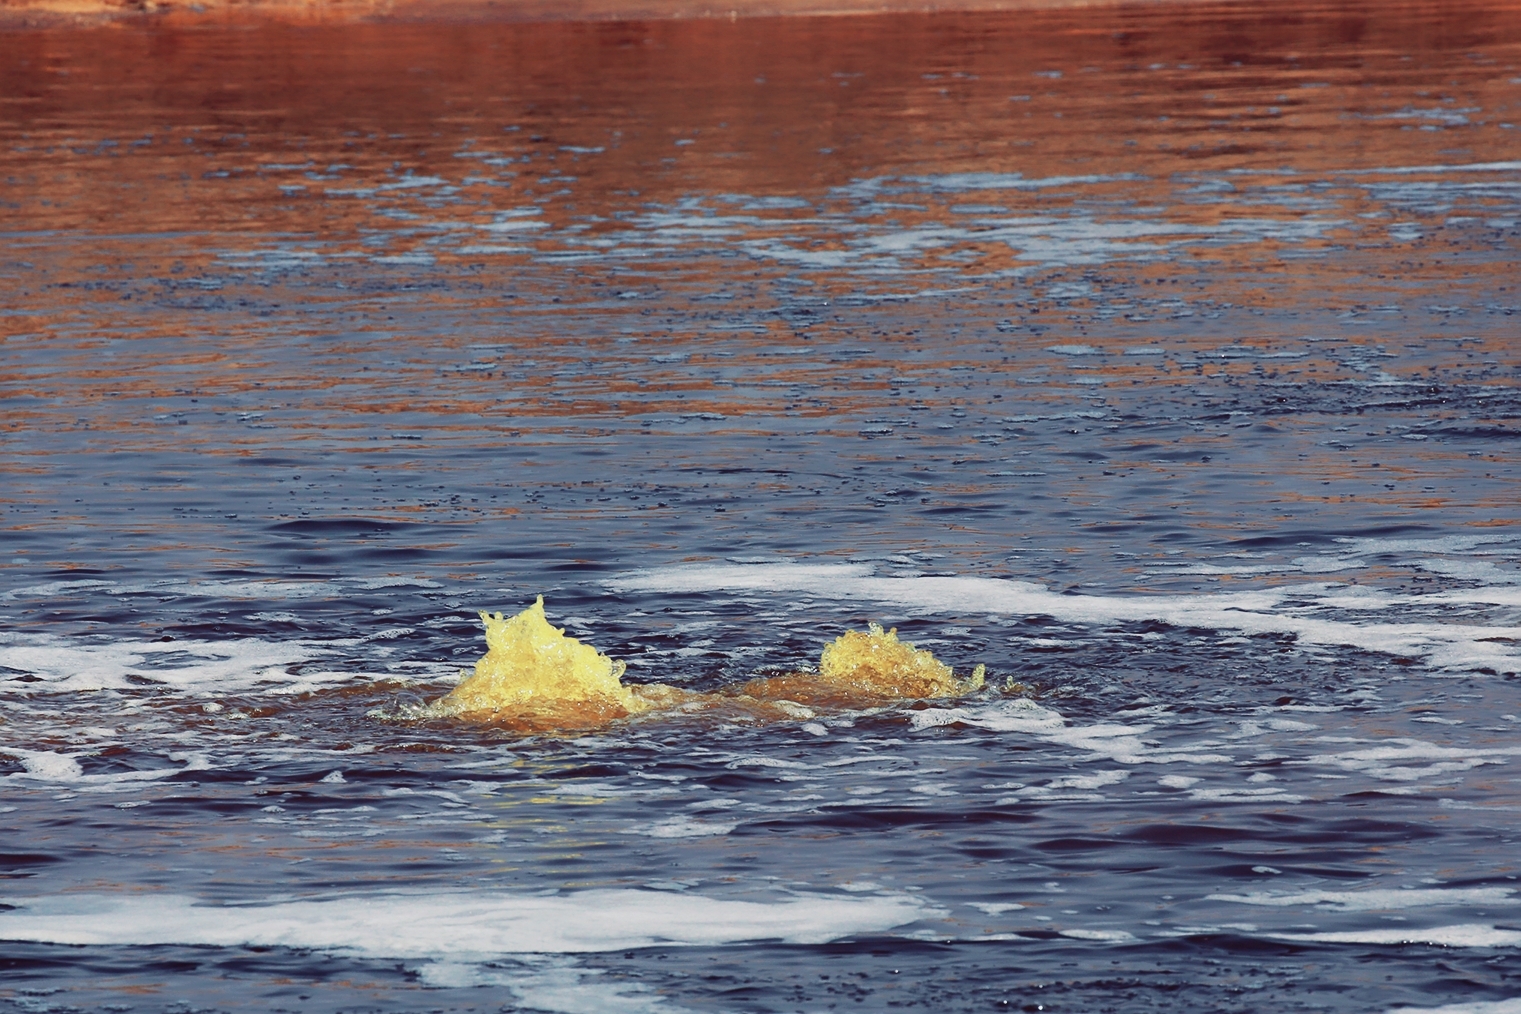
x,y
64,13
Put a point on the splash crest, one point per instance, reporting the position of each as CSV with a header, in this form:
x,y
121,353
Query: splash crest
x,y
535,678
868,667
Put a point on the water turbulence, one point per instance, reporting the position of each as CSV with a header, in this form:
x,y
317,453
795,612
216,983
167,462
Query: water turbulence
x,y
534,678
860,669
1160,356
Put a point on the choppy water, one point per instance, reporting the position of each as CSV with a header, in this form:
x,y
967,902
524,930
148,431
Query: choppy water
x,y
1162,359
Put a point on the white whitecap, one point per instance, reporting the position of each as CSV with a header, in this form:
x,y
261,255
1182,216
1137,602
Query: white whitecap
x,y
50,766
1108,936
1240,795
1122,743
1378,899
1465,935
1512,1006
46,663
555,984
686,827
1280,610
371,583
1094,781
1410,760
470,927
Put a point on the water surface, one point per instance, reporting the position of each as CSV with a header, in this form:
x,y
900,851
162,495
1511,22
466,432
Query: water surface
x,y
1162,359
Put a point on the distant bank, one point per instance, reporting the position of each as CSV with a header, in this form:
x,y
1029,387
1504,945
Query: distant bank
x,y
48,13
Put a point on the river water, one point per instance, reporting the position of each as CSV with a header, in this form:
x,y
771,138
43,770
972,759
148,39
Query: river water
x,y
1163,359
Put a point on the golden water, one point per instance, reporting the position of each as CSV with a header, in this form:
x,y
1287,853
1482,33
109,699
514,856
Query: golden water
x,y
534,678
862,669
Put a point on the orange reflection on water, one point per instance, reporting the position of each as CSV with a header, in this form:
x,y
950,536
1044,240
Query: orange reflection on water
x,y
847,241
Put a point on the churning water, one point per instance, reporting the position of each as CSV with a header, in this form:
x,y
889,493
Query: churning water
x,y
1163,359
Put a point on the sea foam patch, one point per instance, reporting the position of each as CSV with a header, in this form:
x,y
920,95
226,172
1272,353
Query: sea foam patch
x,y
1121,742
1300,610
1512,1006
1464,935
1402,760
51,766
459,926
43,662
270,590
555,984
1410,760
274,591
1378,899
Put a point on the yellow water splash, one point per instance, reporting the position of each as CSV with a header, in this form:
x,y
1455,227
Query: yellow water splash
x,y
534,677
868,667
877,661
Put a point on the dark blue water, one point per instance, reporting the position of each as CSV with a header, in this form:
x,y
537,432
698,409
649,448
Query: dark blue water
x,y
1164,360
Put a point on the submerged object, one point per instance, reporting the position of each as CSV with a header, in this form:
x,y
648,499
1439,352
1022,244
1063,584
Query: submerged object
x,y
534,677
870,667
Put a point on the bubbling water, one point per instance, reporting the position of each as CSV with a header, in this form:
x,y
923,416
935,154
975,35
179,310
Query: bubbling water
x,y
873,667
535,678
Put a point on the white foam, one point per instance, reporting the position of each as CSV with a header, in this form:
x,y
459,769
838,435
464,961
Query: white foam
x,y
56,664
686,827
52,589
1459,167
1116,742
1094,781
1465,935
470,927
1469,1007
1019,715
371,583
550,985
1378,899
268,590
1370,545
1384,761
1486,571
49,766
1239,795
1282,610
1300,564
1108,936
